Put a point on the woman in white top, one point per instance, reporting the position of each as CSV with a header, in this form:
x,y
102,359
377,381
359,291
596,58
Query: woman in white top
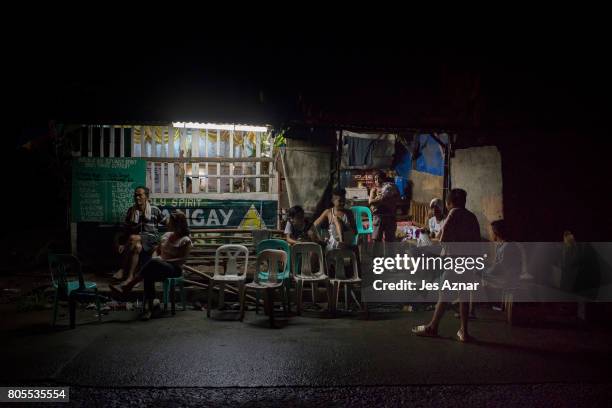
x,y
169,256
436,222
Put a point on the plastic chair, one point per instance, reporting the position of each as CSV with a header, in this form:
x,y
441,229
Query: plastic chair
x,y
302,272
285,275
169,286
358,213
276,261
231,272
336,258
71,290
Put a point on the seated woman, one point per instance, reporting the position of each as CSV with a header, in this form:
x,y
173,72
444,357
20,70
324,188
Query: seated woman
x,y
168,258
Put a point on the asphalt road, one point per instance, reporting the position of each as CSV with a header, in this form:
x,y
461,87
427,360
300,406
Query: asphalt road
x,y
189,358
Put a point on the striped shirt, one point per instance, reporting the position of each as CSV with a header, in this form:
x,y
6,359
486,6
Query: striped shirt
x,y
144,225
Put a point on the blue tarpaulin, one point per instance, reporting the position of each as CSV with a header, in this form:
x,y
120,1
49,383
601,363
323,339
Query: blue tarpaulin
x,y
430,159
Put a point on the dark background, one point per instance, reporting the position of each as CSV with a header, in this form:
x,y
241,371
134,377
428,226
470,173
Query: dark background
x,y
543,99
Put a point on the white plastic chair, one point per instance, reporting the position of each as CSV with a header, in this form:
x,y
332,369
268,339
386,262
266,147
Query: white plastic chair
x,y
275,260
336,258
302,270
231,273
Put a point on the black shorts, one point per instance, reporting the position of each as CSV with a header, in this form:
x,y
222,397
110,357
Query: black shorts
x,y
149,241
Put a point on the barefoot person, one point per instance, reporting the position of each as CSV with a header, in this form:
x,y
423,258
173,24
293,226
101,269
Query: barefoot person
x,y
140,234
168,259
461,225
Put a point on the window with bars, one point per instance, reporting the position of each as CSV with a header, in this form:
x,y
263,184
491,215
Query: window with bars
x,y
189,160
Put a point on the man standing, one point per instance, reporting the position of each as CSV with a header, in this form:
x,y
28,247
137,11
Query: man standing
x,y
461,226
140,233
383,202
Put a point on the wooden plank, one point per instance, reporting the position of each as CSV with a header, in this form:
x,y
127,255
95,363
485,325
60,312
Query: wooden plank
x,y
171,178
228,230
218,165
101,141
270,183
143,151
89,140
162,177
122,141
133,141
111,149
170,141
195,167
183,154
195,143
212,160
258,164
151,177
153,141
231,165
206,155
226,176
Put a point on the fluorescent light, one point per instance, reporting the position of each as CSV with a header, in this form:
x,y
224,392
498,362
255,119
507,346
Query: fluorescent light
x,y
215,126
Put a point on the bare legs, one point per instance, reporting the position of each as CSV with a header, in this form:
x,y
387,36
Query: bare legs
x,y
431,329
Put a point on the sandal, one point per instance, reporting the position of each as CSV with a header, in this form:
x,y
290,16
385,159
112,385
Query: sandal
x,y
424,331
463,338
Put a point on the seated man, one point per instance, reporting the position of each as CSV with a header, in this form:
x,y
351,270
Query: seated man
x,y
140,234
170,255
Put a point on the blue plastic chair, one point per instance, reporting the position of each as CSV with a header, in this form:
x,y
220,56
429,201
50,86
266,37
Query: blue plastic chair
x,y
71,290
284,276
358,214
170,284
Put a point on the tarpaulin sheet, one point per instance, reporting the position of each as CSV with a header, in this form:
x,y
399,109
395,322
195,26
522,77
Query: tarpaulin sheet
x,y
307,169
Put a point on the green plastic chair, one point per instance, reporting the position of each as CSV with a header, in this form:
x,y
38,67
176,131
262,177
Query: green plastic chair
x,y
71,290
169,286
285,276
358,212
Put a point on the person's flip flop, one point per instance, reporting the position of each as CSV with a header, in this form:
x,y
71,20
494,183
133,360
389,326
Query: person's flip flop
x,y
423,331
463,338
